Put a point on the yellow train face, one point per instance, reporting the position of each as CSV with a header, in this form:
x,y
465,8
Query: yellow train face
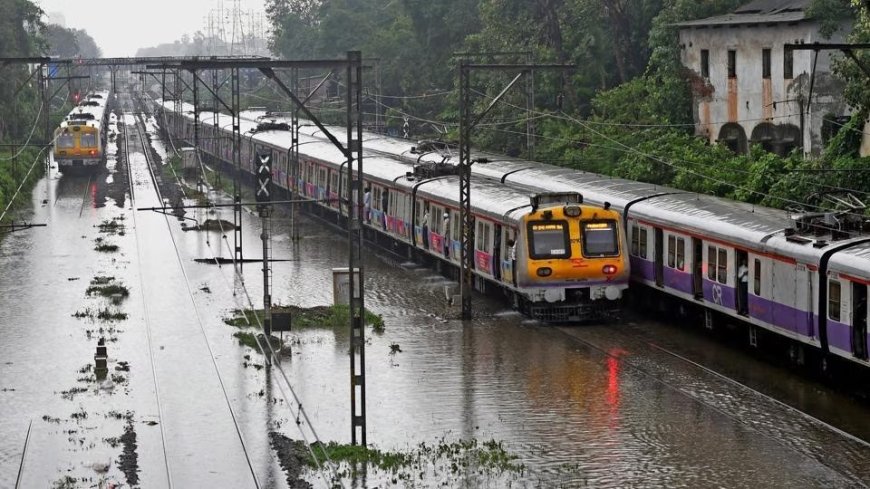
x,y
77,143
573,246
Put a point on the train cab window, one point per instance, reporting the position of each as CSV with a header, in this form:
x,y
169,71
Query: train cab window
x,y
681,254
600,238
88,141
834,300
549,239
756,281
638,241
66,141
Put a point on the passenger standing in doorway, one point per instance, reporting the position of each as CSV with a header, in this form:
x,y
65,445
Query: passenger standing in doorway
x,y
512,256
425,224
447,234
367,205
742,287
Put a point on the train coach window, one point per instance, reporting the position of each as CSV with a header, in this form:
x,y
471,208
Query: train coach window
x,y
681,254
711,262
834,300
756,284
66,141
638,241
723,266
549,240
88,140
672,251
600,239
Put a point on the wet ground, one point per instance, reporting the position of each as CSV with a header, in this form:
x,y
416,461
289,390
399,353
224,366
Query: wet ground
x,y
634,403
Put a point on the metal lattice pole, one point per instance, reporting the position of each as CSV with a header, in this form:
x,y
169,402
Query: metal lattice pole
x,y
355,243
293,160
465,217
237,163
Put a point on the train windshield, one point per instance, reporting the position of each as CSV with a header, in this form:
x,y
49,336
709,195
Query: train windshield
x,y
600,238
66,140
549,240
88,140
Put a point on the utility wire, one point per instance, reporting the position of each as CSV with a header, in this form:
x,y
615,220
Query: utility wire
x,y
276,362
199,319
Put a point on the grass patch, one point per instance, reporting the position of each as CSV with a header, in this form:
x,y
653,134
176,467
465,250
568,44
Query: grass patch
x,y
109,315
111,227
102,280
451,459
330,317
247,339
106,248
244,318
114,291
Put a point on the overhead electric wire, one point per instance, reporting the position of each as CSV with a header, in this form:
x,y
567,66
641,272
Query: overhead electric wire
x,y
30,136
276,362
566,117
160,414
199,318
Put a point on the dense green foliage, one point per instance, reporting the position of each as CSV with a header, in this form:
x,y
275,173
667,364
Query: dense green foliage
x,y
626,110
23,34
69,43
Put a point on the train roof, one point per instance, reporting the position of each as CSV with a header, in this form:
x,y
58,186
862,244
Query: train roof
x,y
714,217
852,261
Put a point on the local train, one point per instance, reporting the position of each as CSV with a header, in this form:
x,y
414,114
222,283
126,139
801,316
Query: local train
x,y
806,274
80,141
557,257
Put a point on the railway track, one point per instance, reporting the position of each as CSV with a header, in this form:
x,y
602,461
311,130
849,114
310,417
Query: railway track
x,y
764,415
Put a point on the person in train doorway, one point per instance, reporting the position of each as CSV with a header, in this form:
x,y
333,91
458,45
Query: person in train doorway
x,y
424,223
367,205
742,287
385,205
512,256
446,231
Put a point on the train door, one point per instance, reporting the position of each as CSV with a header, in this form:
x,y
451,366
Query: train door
x,y
660,263
859,320
741,274
697,268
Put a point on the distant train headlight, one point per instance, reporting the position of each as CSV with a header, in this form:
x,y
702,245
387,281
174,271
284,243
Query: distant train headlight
x,y
572,210
545,271
609,269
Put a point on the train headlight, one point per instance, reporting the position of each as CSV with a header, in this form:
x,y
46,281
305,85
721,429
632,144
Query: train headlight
x,y
609,269
544,272
572,210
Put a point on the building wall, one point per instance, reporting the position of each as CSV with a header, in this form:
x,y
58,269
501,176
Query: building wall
x,y
770,108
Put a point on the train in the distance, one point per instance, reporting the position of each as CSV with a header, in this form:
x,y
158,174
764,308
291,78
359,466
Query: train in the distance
x,y
80,141
558,258
793,279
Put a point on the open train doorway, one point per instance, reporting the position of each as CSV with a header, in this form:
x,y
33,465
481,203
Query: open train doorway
x,y
660,259
697,268
859,320
742,282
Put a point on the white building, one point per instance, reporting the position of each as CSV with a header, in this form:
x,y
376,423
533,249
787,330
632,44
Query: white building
x,y
748,89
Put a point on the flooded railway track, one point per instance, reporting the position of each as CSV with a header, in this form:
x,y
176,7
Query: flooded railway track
x,y
790,427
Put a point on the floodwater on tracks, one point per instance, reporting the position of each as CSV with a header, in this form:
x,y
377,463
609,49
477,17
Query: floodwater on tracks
x,y
592,405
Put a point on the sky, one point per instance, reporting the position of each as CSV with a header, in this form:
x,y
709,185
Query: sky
x,y
120,27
